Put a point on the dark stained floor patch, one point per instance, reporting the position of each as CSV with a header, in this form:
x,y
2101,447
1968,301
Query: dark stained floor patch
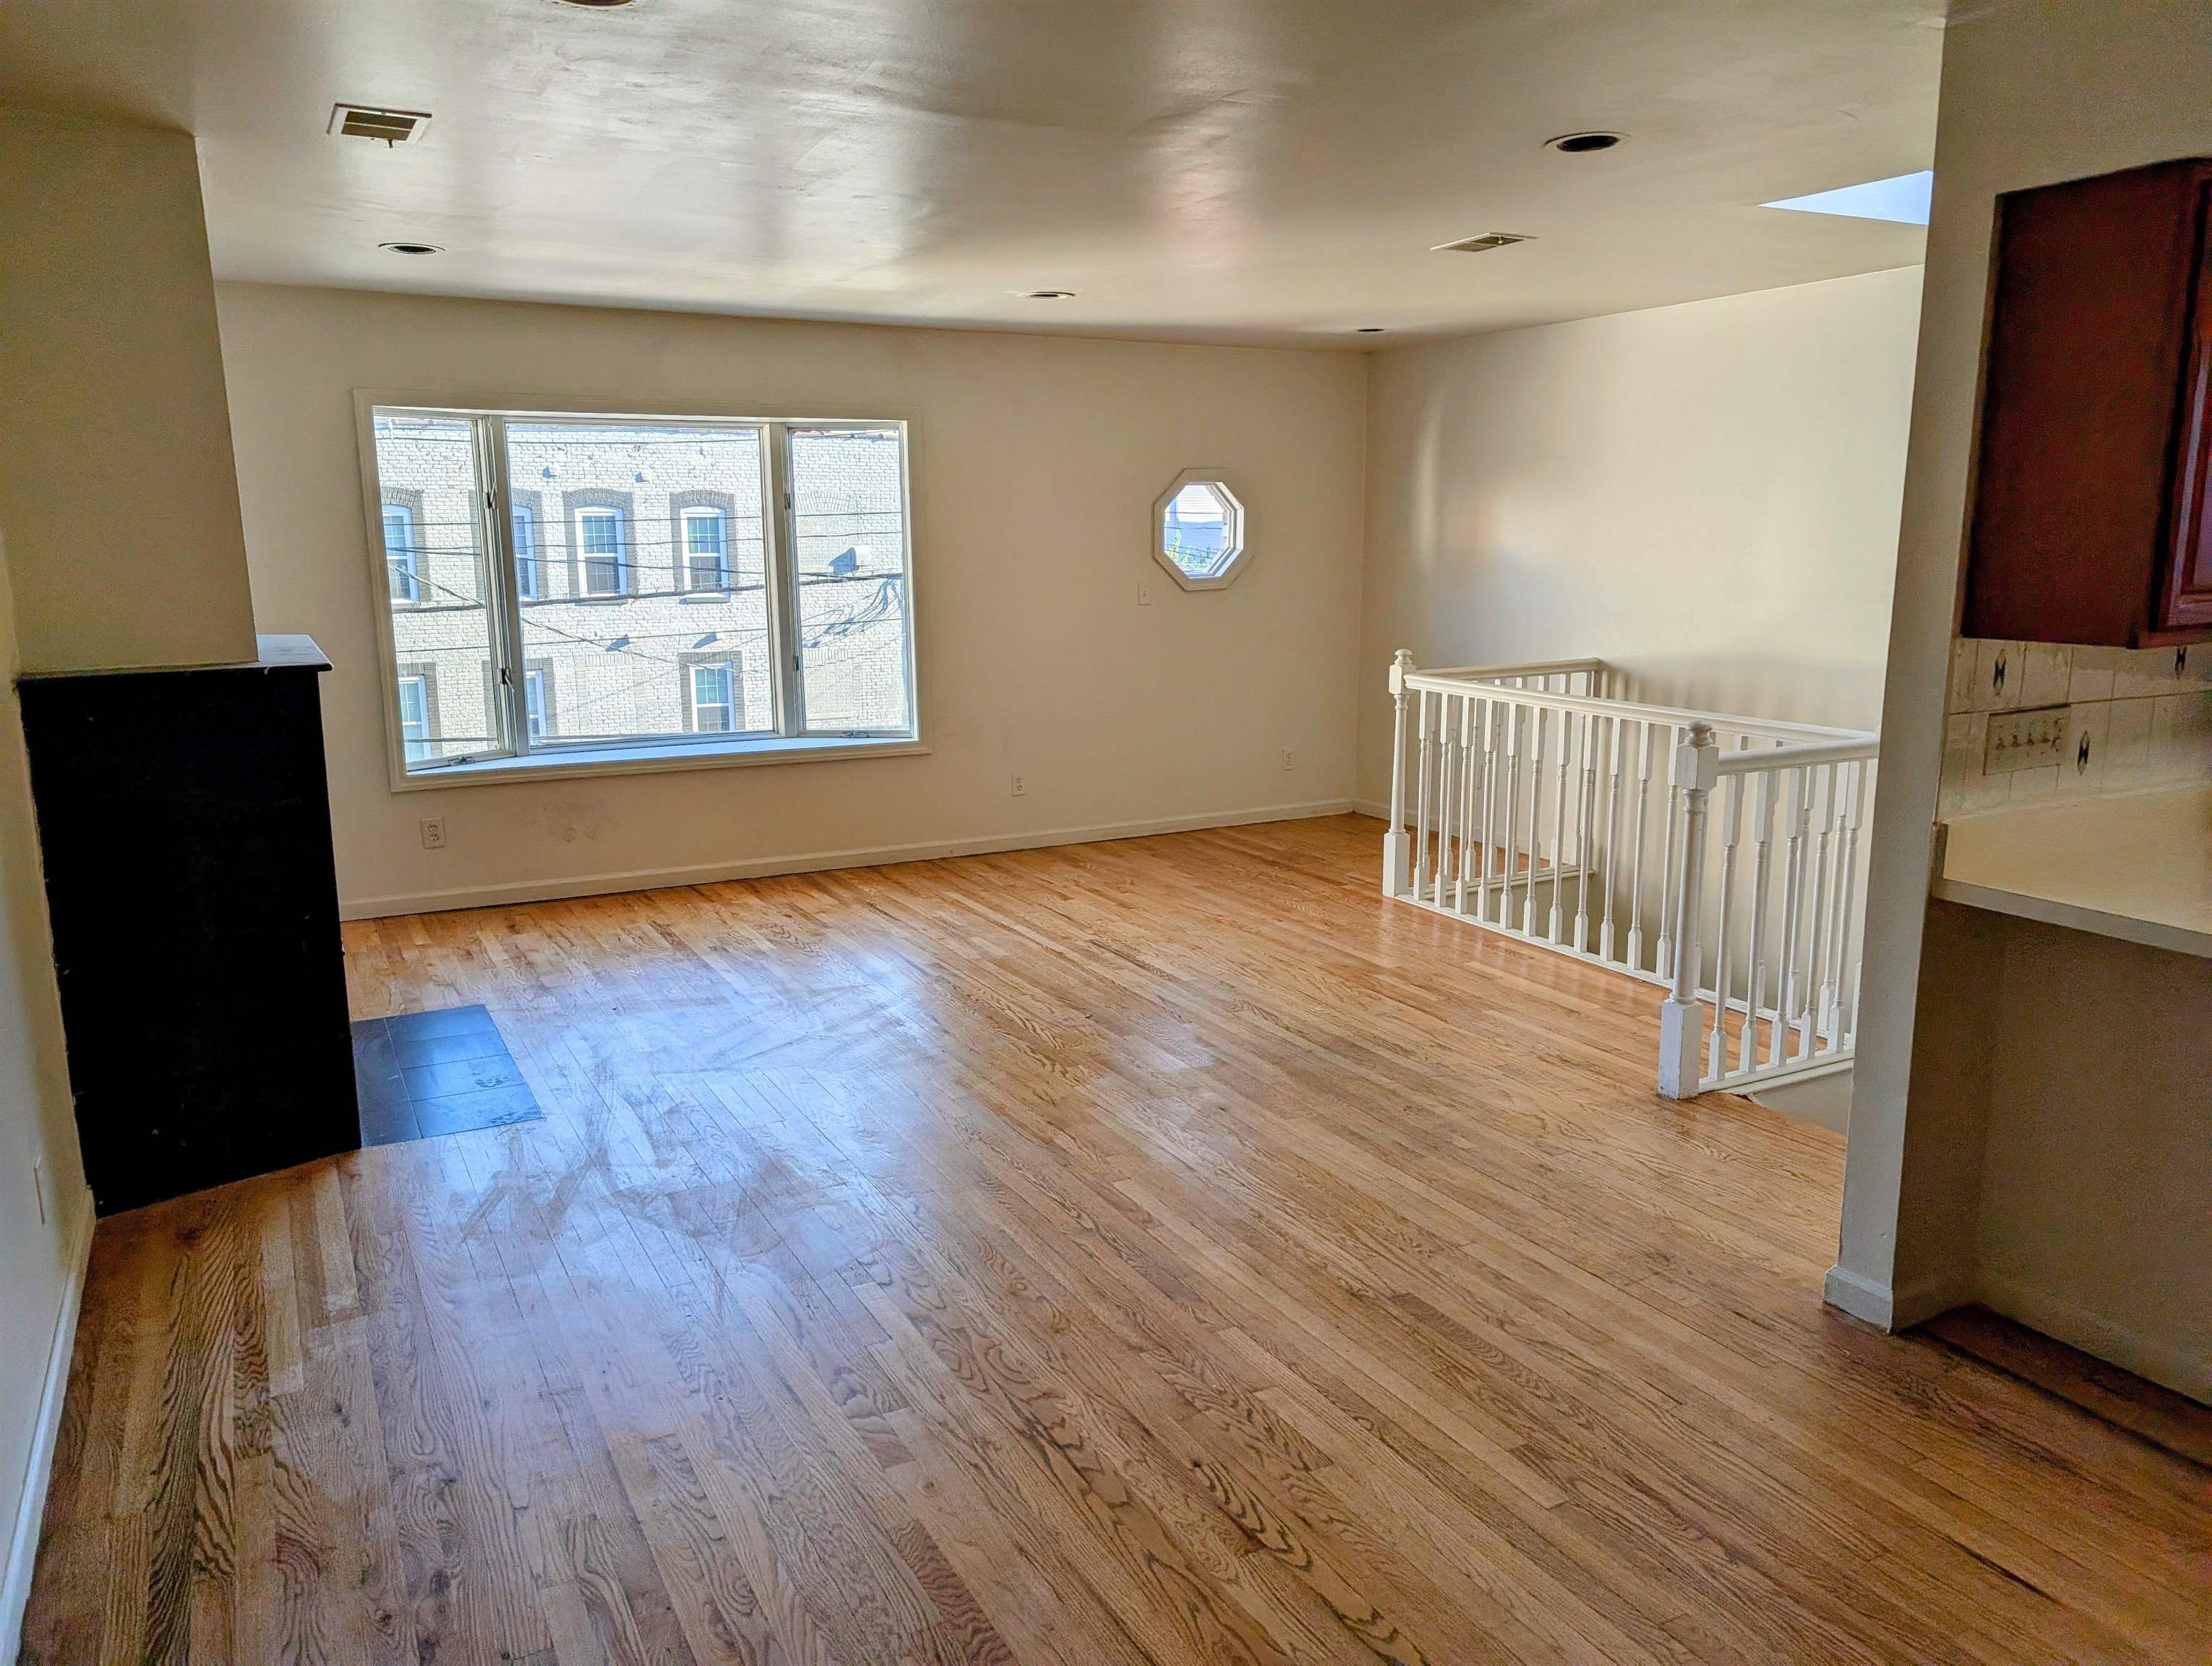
x,y
426,1073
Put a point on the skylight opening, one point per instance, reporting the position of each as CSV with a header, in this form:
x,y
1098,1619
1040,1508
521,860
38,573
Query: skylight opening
x,y
1903,199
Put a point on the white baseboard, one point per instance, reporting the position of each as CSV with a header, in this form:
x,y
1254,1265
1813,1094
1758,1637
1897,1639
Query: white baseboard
x,y
1374,807
2184,1370
30,1510
1897,1307
761,867
1862,1298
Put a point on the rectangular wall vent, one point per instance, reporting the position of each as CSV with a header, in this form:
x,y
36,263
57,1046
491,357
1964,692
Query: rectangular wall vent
x,y
1489,239
361,121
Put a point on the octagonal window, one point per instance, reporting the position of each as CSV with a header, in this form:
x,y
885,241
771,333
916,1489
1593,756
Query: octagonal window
x,y
1198,530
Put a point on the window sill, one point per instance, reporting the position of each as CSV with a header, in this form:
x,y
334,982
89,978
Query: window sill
x,y
653,760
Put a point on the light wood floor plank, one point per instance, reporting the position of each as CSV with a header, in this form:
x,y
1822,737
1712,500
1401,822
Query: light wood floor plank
x,y
1165,1251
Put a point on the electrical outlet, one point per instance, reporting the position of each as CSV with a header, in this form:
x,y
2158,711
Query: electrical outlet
x,y
1144,592
2032,739
1020,785
433,832
38,1186
1290,759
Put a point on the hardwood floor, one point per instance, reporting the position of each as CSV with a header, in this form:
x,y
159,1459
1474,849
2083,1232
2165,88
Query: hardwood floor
x,y
1160,1251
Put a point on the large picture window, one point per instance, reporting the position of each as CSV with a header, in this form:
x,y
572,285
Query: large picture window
x,y
696,586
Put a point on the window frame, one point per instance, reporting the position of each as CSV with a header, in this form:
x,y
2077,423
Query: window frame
x,y
1235,530
787,740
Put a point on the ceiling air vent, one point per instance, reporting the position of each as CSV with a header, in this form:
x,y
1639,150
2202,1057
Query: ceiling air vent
x,y
1489,239
361,121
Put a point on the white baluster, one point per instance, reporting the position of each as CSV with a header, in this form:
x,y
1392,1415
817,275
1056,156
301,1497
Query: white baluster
x,y
1587,803
1559,822
1762,882
1617,748
1494,715
1516,726
1793,907
1670,874
1469,794
1643,821
1731,826
1814,983
1846,895
1394,842
1681,1031
1540,721
1425,747
1443,742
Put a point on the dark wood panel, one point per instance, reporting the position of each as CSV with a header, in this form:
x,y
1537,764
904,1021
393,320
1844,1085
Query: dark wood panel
x,y
2083,408
183,826
1164,1251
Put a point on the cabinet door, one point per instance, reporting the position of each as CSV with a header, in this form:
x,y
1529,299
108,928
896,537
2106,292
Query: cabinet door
x,y
2184,600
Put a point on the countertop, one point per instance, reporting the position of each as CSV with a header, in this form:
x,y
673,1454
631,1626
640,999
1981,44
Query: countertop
x,y
2138,868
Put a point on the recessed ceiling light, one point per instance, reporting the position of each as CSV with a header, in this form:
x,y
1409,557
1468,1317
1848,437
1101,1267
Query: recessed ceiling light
x,y
1580,145
1903,197
595,5
1046,295
411,248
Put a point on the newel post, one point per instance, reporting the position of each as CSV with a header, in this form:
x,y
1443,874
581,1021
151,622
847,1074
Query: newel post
x,y
1397,849
1681,1019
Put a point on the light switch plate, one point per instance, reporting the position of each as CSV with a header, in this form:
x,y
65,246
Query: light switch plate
x,y
2032,739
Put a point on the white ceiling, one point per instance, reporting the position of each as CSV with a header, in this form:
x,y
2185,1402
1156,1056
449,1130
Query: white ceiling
x,y
1245,170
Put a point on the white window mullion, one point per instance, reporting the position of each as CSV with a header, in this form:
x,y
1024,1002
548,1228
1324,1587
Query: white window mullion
x,y
509,711
783,612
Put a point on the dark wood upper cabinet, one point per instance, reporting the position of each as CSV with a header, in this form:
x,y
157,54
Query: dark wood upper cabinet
x,y
2093,499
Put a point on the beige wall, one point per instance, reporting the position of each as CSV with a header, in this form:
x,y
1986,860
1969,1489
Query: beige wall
x,y
115,465
36,1126
1967,1111
1705,495
1035,461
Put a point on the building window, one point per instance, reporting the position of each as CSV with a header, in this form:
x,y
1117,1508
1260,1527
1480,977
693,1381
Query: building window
x,y
534,706
603,556
732,585
704,533
414,726
528,580
713,695
402,571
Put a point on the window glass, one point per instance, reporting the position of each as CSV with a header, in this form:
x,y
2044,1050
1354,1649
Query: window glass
x,y
533,696
848,523
526,578
600,540
614,662
713,695
430,471
414,716
705,551
1197,529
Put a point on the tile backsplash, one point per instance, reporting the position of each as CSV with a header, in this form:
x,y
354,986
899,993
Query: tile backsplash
x,y
2136,719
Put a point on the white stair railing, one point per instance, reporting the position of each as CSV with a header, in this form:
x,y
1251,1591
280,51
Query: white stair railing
x,y
1535,801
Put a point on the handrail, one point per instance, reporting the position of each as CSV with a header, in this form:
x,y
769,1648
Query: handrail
x,y
1531,668
1454,682
1715,855
1795,758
